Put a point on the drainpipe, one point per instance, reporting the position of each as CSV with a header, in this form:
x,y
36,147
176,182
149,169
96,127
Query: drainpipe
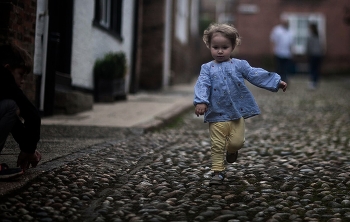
x,y
40,50
167,43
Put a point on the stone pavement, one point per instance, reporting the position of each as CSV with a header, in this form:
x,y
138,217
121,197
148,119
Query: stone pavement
x,y
294,167
64,137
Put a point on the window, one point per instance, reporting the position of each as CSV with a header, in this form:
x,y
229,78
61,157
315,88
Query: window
x,y
108,16
299,25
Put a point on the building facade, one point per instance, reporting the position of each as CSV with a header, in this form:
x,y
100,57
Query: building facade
x,y
255,20
66,37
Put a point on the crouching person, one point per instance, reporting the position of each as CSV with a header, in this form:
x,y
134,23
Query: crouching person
x,y
18,115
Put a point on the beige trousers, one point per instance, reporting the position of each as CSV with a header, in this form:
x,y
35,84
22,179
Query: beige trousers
x,y
225,136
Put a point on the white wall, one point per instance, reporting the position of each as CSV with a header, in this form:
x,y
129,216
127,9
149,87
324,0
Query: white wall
x,y
90,43
181,22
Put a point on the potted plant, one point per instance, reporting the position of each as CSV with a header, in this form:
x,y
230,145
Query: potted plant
x,y
109,77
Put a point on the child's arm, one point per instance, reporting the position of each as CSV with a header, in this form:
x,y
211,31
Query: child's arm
x,y
202,91
261,78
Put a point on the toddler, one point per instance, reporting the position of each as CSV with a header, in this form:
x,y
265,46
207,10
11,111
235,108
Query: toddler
x,y
220,94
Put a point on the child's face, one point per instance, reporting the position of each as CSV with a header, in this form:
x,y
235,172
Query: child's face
x,y
220,48
19,74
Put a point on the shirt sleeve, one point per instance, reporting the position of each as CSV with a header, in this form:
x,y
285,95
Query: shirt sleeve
x,y
202,87
260,77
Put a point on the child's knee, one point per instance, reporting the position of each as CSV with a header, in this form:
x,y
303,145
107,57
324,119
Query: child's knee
x,y
235,145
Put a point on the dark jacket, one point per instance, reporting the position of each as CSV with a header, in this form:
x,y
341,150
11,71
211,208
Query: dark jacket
x,y
27,134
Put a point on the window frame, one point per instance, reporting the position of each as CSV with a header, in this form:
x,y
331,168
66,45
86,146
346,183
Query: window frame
x,y
108,17
298,24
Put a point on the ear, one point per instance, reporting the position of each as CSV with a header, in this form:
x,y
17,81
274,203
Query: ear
x,y
7,66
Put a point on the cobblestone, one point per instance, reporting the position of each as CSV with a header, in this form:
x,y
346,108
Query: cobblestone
x,y
293,167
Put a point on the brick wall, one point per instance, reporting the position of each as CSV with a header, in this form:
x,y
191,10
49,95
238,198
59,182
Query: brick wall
x,y
255,30
18,26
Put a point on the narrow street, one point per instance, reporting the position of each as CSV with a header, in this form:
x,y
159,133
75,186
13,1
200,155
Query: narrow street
x,y
294,166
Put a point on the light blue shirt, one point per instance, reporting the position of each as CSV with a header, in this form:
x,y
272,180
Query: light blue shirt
x,y
222,87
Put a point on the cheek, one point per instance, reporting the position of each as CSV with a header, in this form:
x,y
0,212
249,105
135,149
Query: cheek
x,y
19,80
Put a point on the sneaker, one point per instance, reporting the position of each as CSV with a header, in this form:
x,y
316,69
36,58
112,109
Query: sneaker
x,y
9,173
217,178
231,157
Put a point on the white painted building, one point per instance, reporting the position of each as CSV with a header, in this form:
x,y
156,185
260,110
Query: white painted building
x,y
158,38
90,41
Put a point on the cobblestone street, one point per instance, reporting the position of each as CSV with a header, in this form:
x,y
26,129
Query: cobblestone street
x,y
294,166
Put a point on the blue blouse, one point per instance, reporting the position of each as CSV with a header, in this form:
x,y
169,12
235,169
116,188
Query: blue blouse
x,y
222,87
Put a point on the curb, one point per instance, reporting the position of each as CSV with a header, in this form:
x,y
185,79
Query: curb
x,y
164,118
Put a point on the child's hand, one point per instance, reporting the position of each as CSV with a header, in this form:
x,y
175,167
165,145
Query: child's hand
x,y
283,85
200,109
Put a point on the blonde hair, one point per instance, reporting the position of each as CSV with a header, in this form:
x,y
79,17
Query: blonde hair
x,y
227,30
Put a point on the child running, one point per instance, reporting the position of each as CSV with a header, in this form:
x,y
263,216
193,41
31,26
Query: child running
x,y
220,94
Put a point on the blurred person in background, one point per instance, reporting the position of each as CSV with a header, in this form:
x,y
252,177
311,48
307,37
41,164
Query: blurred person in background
x,y
282,40
315,53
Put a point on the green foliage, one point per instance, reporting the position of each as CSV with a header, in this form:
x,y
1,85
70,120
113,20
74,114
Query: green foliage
x,y
111,66
204,22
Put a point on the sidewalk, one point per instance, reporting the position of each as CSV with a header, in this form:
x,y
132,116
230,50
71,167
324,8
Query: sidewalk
x,y
144,110
67,137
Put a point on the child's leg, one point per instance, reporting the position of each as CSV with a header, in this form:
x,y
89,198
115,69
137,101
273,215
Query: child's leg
x,y
8,118
218,134
235,139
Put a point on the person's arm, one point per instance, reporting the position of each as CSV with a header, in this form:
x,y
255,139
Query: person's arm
x,y
202,91
28,135
202,87
8,86
32,123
